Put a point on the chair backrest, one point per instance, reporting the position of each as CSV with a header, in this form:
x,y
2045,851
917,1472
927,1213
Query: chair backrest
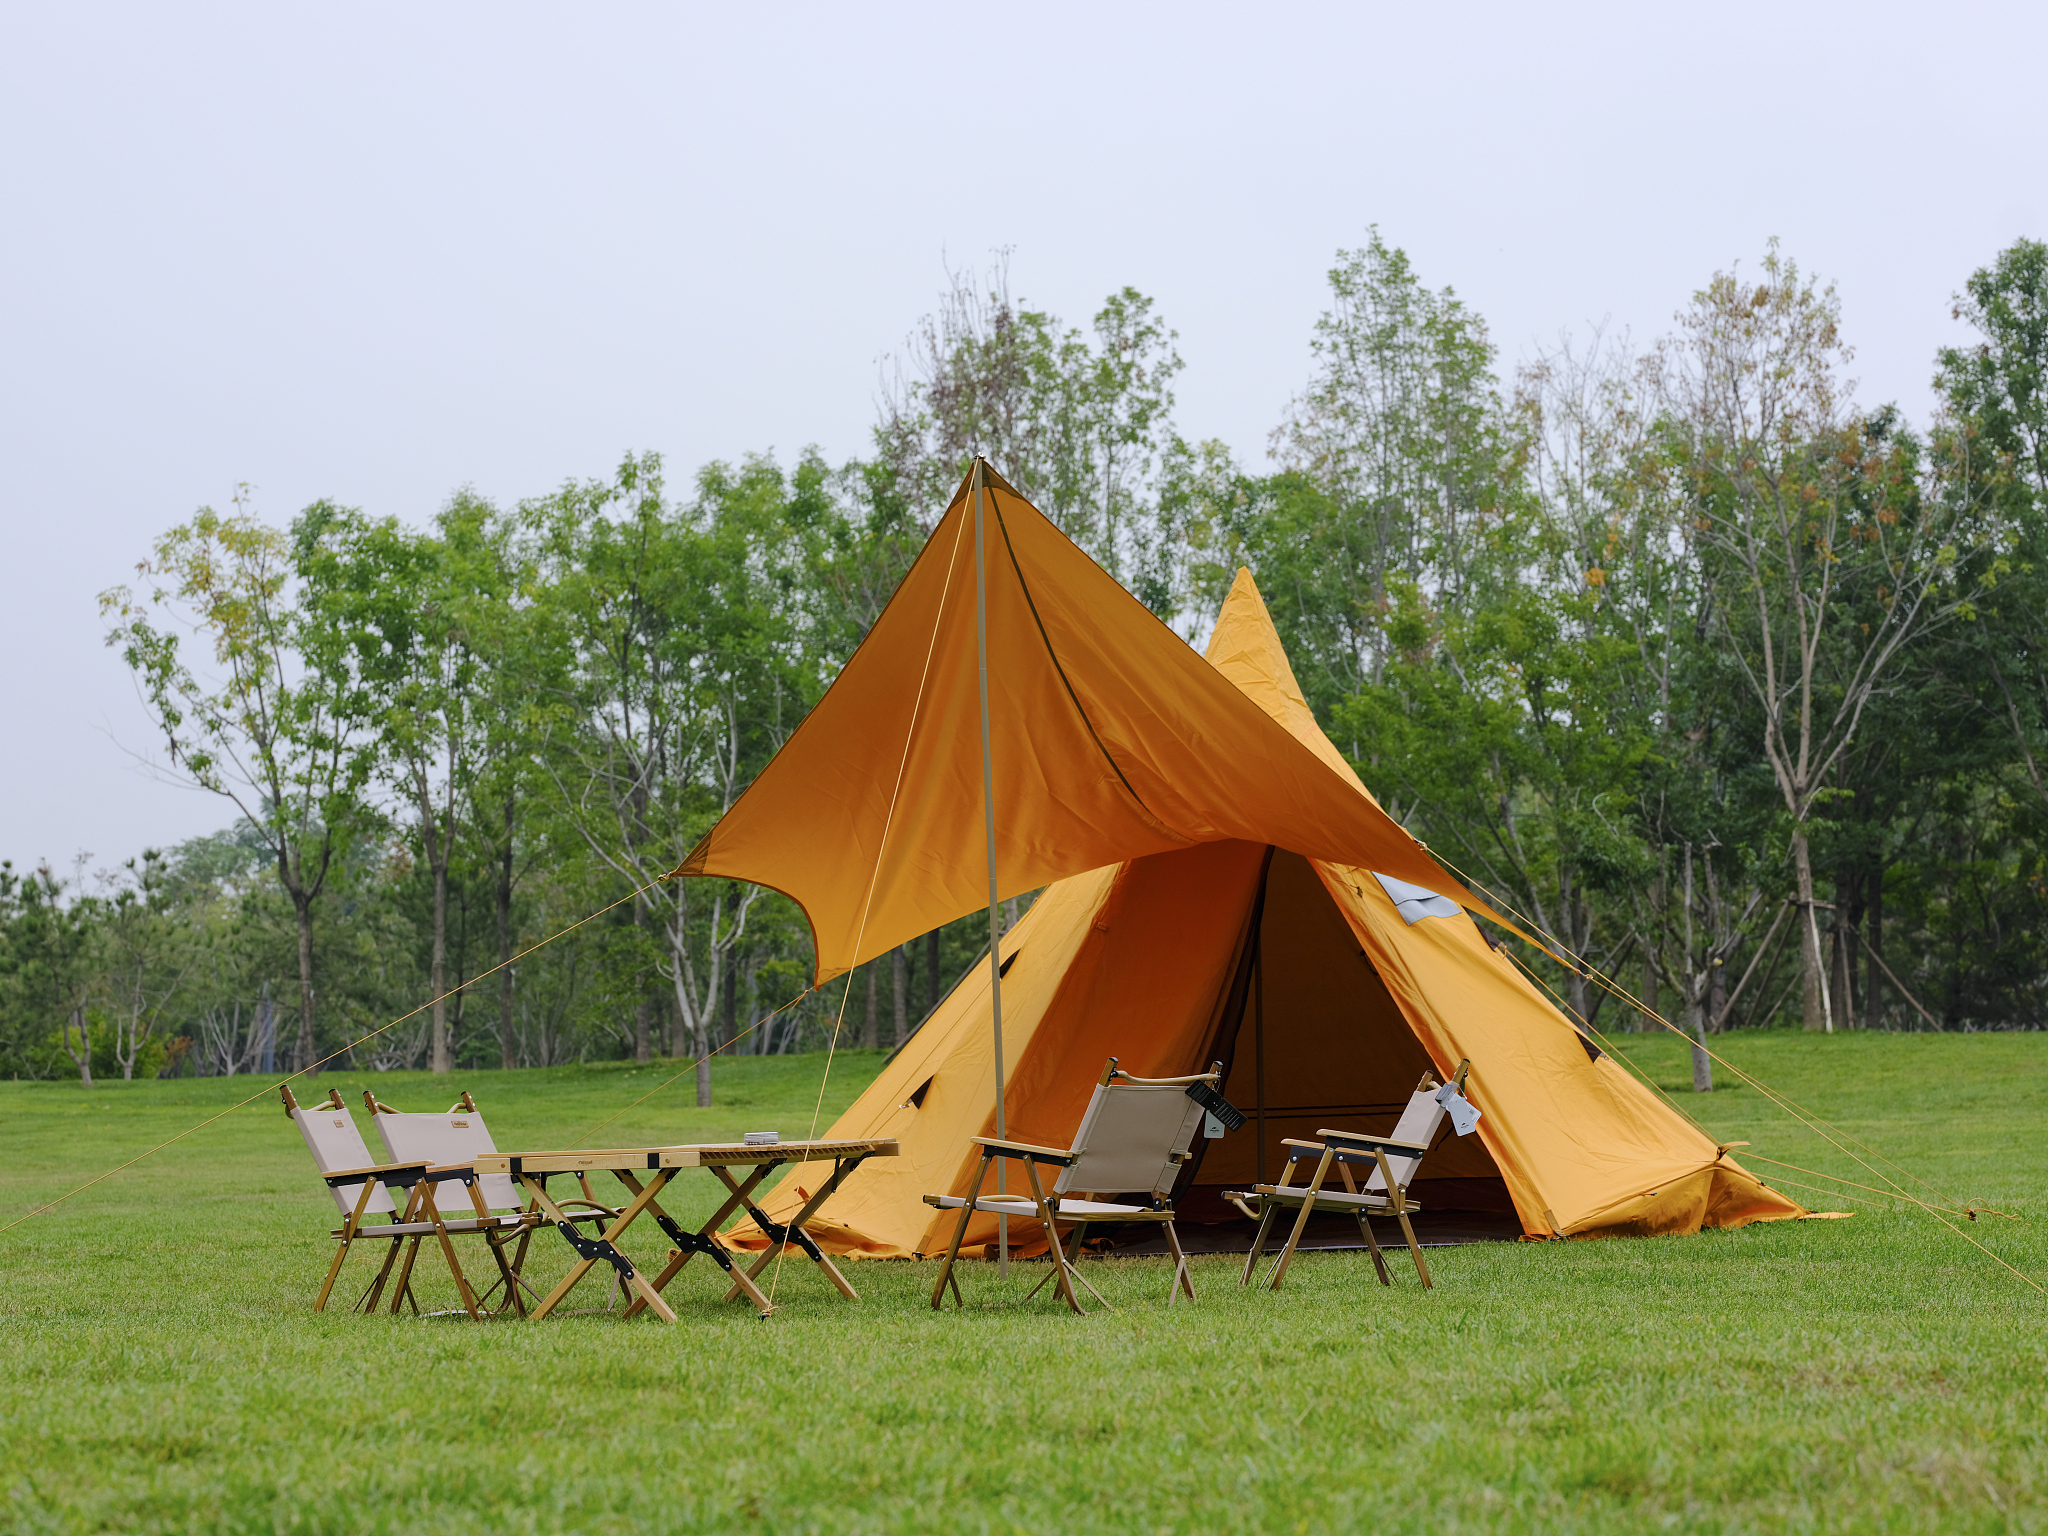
x,y
1419,1123
1132,1139
332,1138
455,1137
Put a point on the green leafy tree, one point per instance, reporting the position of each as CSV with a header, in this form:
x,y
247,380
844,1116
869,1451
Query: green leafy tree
x,y
272,718
1992,446
1077,421
1401,436
1823,563
47,968
147,950
681,664
416,613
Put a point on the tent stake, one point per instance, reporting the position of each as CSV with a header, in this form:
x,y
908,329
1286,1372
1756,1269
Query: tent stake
x,y
988,816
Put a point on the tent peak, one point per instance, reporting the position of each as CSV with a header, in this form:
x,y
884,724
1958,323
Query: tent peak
x,y
1245,647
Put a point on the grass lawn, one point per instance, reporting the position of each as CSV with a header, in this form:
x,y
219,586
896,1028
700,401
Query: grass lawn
x,y
161,1367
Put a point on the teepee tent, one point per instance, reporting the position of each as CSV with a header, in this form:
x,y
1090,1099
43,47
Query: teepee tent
x,y
1218,886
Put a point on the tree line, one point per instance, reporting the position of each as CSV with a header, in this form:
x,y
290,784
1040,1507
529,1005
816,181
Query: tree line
x,y
1734,686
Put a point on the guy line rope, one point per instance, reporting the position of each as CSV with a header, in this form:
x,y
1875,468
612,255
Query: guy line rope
x,y
875,874
1839,1139
837,1022
325,1060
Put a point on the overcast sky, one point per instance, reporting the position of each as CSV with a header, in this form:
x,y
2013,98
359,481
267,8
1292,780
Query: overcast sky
x,y
377,252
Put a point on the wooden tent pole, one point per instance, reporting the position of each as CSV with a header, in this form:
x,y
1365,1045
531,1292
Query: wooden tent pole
x,y
988,816
1259,1033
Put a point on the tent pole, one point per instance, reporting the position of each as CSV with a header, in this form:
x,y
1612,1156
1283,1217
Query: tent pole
x,y
988,816
1259,1033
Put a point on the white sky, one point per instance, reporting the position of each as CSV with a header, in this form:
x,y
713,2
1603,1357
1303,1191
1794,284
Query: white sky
x,y
376,252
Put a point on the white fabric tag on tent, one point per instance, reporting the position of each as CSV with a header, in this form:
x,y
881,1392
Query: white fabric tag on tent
x,y
1464,1117
1211,1126
1415,902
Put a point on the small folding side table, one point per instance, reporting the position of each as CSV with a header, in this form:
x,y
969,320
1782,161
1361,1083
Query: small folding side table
x,y
646,1171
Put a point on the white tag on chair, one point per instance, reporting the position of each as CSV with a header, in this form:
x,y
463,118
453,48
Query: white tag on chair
x,y
1464,1117
1211,1126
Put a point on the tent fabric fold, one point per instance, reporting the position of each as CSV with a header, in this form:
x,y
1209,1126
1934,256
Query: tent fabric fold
x,y
1217,885
1112,738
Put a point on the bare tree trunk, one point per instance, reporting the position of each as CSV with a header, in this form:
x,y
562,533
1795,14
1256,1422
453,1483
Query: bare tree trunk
x,y
506,1059
82,1057
643,1028
1646,1019
1873,985
1848,916
732,1003
1575,994
307,1062
931,972
1702,1064
902,978
870,1028
1813,986
437,976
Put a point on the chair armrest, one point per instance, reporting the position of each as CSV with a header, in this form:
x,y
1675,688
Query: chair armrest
x,y
1354,1139
1060,1155
1306,1146
383,1173
1168,1082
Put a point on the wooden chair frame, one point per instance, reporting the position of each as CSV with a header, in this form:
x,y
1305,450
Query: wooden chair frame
x,y
419,1218
1051,1209
511,1271
1343,1151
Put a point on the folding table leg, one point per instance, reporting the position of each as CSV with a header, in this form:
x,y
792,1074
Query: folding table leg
x,y
591,1251
703,1240
792,1233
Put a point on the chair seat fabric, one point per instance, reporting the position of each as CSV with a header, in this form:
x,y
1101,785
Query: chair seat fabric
x,y
1295,1195
1080,1210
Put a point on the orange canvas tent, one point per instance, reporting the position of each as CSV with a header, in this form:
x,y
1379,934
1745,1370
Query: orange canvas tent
x,y
1218,885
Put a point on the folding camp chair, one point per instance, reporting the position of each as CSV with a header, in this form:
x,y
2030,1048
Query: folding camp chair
x,y
458,1137
362,1188
1133,1138
1394,1161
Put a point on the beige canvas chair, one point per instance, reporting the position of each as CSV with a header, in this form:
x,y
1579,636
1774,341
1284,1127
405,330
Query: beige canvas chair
x,y
1393,1160
1132,1140
363,1188
456,1138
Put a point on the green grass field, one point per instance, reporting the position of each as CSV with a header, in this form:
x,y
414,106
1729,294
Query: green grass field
x,y
161,1368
